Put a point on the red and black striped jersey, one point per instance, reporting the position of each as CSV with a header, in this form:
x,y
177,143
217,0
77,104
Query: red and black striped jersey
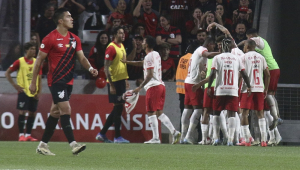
x,y
61,56
171,33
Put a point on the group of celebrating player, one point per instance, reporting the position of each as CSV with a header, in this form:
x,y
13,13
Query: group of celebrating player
x,y
257,73
220,98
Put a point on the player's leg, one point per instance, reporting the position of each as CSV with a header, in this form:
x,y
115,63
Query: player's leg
x,y
194,120
160,101
187,112
223,126
32,106
237,129
231,105
245,105
154,126
207,105
22,106
262,127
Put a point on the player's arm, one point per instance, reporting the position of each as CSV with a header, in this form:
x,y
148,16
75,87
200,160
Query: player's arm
x,y
146,80
209,54
242,43
37,96
11,81
85,63
36,69
134,63
267,81
132,54
247,81
210,80
107,64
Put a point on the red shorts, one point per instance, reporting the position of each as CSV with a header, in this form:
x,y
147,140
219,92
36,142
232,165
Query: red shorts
x,y
230,103
155,98
208,101
274,79
254,102
266,106
193,98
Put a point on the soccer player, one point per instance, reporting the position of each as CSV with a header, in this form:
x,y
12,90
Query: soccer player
x,y
256,69
194,100
26,100
116,73
155,91
226,67
264,49
60,46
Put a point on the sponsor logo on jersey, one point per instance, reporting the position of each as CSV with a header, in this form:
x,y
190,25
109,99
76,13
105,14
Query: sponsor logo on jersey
x,y
60,45
185,7
61,94
42,45
59,39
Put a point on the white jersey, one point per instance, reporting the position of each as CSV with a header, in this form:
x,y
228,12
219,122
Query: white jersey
x,y
227,68
197,64
153,61
255,64
237,51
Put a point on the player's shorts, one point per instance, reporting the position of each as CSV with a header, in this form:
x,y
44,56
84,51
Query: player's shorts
x,y
26,103
208,101
60,92
230,103
120,87
254,102
155,98
274,77
193,98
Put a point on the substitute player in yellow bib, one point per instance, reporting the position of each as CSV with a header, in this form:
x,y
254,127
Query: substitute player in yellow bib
x,y
26,100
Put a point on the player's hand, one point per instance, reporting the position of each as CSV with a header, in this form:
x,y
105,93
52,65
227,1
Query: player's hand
x,y
127,85
94,72
196,87
18,88
249,91
112,89
208,92
137,90
37,96
210,26
124,61
32,88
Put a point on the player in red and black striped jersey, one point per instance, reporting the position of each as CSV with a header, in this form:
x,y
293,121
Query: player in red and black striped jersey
x,y
60,46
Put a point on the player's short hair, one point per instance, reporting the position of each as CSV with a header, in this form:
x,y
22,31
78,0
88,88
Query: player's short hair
x,y
226,45
251,43
192,47
150,41
220,38
251,31
59,14
115,30
28,45
209,40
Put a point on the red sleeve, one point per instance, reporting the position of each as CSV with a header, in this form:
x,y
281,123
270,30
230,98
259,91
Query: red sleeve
x,y
110,53
15,66
46,45
78,44
91,51
189,25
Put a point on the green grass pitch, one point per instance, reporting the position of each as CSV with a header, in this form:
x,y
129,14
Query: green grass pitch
x,y
21,155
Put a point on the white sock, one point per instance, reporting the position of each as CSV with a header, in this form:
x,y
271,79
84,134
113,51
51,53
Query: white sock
x,y
210,127
223,125
26,135
72,144
267,122
238,127
256,128
277,133
194,122
216,127
262,128
204,129
41,142
272,105
154,126
245,130
185,122
21,134
231,128
166,121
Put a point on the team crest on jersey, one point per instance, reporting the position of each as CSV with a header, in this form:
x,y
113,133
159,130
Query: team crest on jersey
x,y
21,104
61,94
73,44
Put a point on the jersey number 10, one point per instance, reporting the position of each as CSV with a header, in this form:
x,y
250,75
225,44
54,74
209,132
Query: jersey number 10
x,y
228,77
